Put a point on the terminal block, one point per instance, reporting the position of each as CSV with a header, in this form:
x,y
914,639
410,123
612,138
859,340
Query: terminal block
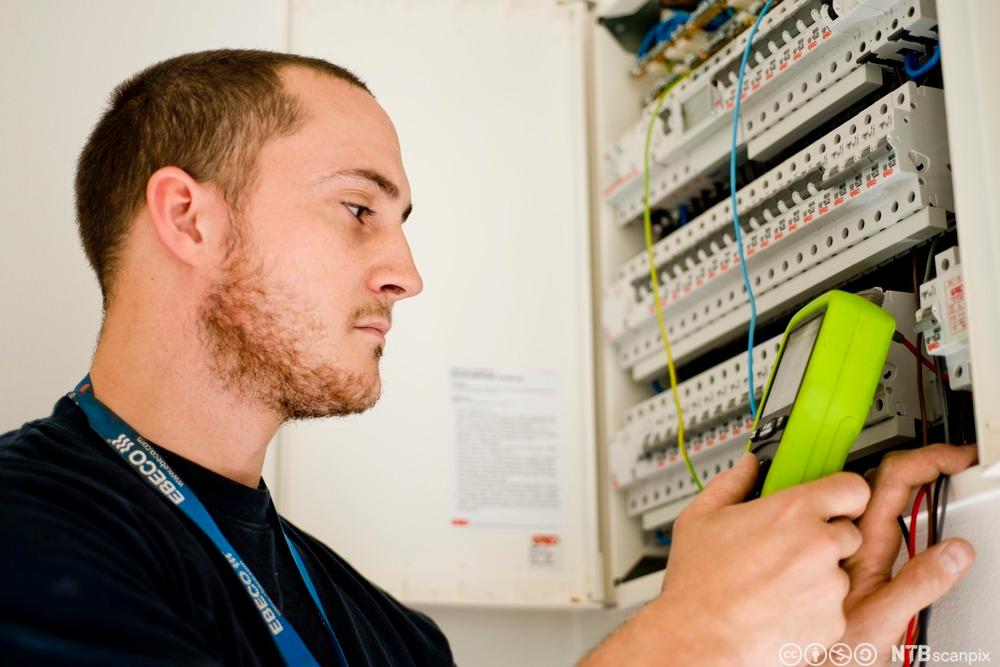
x,y
862,193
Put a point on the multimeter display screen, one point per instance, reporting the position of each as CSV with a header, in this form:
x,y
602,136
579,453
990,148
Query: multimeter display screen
x,y
791,367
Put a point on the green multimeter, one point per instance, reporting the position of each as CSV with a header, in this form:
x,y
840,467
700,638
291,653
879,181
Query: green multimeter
x,y
820,390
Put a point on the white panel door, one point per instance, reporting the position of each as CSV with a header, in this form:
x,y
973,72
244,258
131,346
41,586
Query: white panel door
x,y
488,99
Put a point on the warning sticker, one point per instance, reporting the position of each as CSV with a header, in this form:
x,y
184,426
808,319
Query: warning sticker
x,y
544,549
955,302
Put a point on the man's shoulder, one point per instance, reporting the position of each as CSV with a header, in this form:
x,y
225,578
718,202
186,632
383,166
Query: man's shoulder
x,y
87,541
66,425
70,511
56,472
52,452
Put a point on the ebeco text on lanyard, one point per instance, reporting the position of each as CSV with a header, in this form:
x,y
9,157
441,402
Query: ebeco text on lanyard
x,y
143,458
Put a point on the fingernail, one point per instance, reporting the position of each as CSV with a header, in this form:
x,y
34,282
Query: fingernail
x,y
955,557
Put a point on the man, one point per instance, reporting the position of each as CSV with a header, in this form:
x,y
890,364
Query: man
x,y
243,211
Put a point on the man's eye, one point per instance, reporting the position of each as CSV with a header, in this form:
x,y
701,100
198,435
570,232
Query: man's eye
x,y
358,211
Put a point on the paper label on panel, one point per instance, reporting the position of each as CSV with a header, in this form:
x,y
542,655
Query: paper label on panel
x,y
544,550
506,435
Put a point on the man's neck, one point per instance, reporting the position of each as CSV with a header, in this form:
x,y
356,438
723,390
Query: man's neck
x,y
162,386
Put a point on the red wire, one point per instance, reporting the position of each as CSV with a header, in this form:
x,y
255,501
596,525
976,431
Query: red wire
x,y
924,360
911,548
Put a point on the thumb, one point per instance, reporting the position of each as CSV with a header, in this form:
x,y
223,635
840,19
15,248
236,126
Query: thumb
x,y
727,488
925,578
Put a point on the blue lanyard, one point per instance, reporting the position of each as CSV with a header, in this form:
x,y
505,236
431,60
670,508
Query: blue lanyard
x,y
143,458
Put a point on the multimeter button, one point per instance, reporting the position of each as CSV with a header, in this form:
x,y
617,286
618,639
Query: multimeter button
x,y
765,465
765,430
780,422
758,487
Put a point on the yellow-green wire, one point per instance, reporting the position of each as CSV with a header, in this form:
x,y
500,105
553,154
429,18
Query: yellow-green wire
x,y
648,228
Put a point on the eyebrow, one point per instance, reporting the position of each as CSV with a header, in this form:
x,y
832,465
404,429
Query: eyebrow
x,y
380,181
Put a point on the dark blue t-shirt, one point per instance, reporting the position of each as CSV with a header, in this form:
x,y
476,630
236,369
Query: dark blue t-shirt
x,y
99,570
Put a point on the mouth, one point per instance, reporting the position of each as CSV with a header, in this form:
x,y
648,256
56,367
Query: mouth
x,y
375,328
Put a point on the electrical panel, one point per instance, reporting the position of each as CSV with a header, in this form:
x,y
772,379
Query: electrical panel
x,y
840,175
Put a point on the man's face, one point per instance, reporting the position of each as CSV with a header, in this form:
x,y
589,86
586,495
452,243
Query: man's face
x,y
298,315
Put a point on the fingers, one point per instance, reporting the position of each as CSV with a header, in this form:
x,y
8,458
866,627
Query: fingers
x,y
895,481
902,472
841,494
847,535
925,578
727,488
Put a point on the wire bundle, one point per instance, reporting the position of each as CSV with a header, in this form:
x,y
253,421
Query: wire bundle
x,y
936,495
665,30
937,500
661,32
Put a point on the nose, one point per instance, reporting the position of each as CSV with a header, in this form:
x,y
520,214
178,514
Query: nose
x,y
395,276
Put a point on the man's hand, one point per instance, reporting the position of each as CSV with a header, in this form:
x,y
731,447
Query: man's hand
x,y
879,607
745,578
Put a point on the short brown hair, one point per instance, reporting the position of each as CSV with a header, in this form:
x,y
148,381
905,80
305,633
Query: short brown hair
x,y
208,113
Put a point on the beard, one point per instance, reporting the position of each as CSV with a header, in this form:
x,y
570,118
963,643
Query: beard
x,y
261,340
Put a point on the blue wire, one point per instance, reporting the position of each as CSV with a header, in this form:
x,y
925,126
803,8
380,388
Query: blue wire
x,y
657,387
719,20
661,32
736,215
914,70
647,41
670,26
683,214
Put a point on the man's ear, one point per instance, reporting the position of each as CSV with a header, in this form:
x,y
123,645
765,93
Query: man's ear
x,y
187,216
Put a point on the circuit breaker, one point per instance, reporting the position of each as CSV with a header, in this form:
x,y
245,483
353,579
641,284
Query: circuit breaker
x,y
839,172
943,320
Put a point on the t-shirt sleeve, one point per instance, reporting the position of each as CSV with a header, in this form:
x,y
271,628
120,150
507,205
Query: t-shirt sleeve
x,y
77,587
